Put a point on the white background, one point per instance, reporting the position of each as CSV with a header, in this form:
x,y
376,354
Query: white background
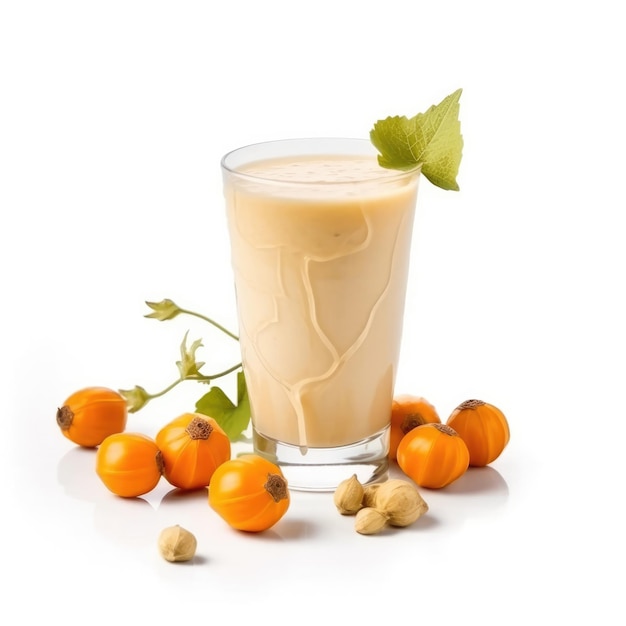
x,y
114,116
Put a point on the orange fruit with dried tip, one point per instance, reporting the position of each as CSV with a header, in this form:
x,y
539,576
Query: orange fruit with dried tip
x,y
129,464
250,493
433,455
483,427
193,447
91,414
407,412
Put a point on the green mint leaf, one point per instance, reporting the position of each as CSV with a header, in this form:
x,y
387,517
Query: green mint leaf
x,y
188,366
164,310
233,419
431,141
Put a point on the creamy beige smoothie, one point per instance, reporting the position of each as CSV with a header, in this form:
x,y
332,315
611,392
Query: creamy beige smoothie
x,y
320,251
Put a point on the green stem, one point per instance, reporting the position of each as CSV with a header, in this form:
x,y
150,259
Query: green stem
x,y
152,396
208,379
197,377
210,321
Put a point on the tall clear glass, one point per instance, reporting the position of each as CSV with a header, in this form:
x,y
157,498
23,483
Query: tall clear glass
x,y
320,240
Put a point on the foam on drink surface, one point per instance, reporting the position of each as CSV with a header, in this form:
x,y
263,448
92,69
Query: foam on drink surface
x,y
322,175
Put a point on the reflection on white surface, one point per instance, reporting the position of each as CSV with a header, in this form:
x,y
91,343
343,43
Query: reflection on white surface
x,y
521,513
480,492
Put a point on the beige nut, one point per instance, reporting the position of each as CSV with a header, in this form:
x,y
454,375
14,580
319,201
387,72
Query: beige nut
x,y
400,501
369,494
348,496
369,521
177,544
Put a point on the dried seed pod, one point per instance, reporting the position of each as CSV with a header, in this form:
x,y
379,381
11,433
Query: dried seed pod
x,y
369,521
400,502
177,544
348,496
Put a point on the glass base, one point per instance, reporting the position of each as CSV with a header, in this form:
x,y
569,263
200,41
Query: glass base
x,y
322,469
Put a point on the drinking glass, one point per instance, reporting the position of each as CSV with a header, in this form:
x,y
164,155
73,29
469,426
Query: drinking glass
x,y
320,240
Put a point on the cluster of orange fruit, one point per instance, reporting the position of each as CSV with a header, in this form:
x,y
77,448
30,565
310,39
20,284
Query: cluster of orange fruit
x,y
434,454
250,493
190,452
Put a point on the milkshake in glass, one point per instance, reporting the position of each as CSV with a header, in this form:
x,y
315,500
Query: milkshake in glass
x,y
320,240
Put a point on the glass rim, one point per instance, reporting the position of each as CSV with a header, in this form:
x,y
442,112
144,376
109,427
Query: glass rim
x,y
367,149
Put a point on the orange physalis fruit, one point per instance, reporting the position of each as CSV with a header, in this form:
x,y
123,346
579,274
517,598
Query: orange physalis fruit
x,y
407,412
483,427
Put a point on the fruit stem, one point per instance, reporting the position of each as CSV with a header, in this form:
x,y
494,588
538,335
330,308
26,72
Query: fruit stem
x,y
210,321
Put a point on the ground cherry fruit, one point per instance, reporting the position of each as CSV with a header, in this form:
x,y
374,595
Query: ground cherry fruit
x,y
407,412
129,464
483,427
91,414
250,493
433,455
193,446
